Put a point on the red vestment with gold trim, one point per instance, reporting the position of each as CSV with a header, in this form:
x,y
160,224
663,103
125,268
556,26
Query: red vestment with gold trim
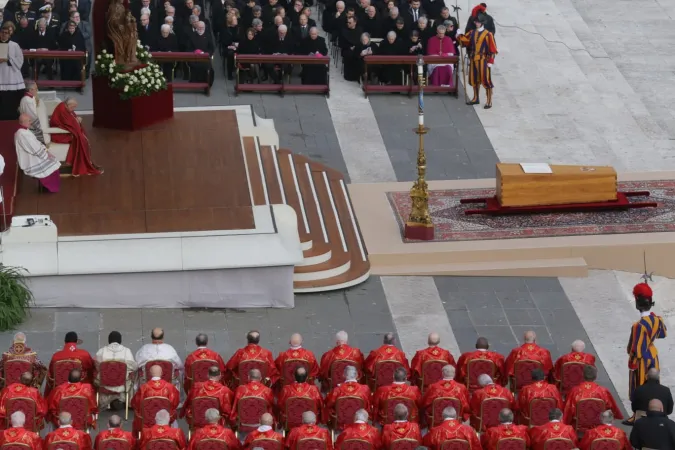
x,y
256,435
114,433
490,439
19,435
586,390
201,354
360,432
490,391
538,389
551,430
348,389
213,389
154,388
400,430
18,390
252,352
298,354
308,432
19,351
68,390
163,432
530,352
216,432
302,390
385,353
340,353
497,358
447,389
432,353
451,429
252,389
605,432
68,434
70,351
403,390
572,357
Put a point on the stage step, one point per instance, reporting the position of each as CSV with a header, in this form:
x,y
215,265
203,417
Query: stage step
x,y
334,254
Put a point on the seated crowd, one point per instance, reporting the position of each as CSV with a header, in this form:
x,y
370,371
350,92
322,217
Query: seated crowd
x,y
344,400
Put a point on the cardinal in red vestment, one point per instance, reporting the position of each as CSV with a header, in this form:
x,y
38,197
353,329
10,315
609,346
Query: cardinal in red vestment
x,y
605,431
341,352
263,433
215,431
71,352
482,352
387,352
211,388
489,390
360,430
451,430
446,388
505,430
79,153
308,430
114,433
577,355
294,355
74,388
254,388
432,353
589,389
400,428
18,351
162,430
350,388
24,389
66,433
529,351
252,352
203,353
18,436
538,389
300,389
156,387
554,429
399,390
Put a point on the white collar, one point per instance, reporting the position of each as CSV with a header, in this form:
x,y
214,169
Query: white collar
x,y
449,418
359,421
66,426
351,381
263,428
296,347
554,421
481,28
155,378
448,379
481,349
645,313
202,346
507,423
399,382
400,421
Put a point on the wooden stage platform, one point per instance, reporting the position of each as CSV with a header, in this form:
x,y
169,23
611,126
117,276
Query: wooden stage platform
x,y
186,174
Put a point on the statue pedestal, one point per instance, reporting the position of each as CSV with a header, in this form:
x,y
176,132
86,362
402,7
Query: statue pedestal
x,y
110,111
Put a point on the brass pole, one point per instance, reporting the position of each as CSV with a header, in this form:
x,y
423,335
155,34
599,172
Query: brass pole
x,y
420,225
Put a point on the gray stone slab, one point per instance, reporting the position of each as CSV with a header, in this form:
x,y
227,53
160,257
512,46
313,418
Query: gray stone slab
x,y
551,300
41,320
488,316
121,320
543,284
80,321
523,316
205,320
515,300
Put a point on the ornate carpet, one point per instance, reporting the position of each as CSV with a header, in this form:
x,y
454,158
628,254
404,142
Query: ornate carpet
x,y
452,225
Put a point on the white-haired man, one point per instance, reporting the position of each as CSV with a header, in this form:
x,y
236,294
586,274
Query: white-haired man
x,y
66,433
308,430
489,390
29,106
282,44
360,430
350,388
18,436
571,361
161,430
423,359
214,431
606,430
18,350
345,355
401,428
201,42
446,388
296,355
506,430
33,157
451,429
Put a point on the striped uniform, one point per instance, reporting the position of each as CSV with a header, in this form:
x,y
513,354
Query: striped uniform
x,y
642,353
482,50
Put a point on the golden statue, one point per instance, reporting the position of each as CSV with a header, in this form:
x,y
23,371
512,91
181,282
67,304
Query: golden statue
x,y
122,32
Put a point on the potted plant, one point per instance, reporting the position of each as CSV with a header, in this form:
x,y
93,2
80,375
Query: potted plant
x,y
15,297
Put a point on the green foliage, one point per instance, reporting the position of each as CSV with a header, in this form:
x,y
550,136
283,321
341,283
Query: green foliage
x,y
15,297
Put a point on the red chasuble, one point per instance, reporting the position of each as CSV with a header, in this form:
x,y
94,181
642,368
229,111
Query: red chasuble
x,y
539,389
463,364
531,352
70,351
69,434
393,391
298,354
252,352
114,433
348,389
605,432
451,429
340,353
447,389
16,436
79,153
215,432
360,432
385,353
302,390
72,390
585,390
255,435
163,432
572,357
252,389
201,354
400,430
552,430
490,438
308,432
18,390
212,389
433,353
490,391
154,388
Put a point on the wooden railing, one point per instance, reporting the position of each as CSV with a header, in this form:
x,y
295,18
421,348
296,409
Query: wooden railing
x,y
284,86
188,57
409,85
34,55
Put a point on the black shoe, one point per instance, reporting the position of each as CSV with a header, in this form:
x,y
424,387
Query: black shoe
x,y
628,422
473,102
487,106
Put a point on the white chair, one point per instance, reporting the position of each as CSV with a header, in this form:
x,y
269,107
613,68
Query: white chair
x,y
44,109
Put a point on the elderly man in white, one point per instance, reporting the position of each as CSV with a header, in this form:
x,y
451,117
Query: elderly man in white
x,y
29,105
159,351
114,396
33,157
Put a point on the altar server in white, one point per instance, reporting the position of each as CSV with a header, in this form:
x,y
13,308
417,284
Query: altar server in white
x,y
29,106
33,157
158,350
11,80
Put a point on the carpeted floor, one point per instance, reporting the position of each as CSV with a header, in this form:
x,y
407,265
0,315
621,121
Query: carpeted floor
x,y
452,225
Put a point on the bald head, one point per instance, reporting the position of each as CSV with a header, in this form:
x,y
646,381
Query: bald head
x,y
65,418
156,372
253,337
653,374
296,340
448,372
267,419
434,339
530,337
655,405
400,412
388,339
578,346
115,421
254,375
341,337
482,343
24,120
607,417
27,379
157,334
308,418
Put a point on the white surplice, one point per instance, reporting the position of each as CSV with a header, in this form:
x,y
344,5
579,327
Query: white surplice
x,y
29,107
151,352
115,352
32,155
10,71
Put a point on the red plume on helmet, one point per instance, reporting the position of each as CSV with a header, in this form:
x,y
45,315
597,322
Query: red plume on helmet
x,y
481,8
642,290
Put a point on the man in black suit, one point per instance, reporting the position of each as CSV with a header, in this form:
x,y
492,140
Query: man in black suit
x,y
282,45
654,431
650,390
45,39
300,32
414,13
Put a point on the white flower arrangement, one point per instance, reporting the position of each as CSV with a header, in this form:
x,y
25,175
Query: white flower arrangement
x,y
143,80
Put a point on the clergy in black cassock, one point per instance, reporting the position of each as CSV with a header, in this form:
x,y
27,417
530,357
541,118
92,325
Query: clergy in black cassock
x,y
390,46
200,41
314,45
166,42
349,41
